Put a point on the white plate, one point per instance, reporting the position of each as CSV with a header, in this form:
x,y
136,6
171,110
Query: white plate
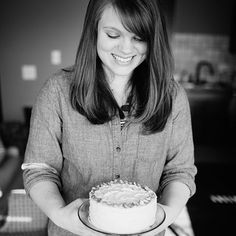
x,y
83,214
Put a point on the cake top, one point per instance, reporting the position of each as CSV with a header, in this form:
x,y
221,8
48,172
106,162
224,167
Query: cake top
x,y
122,193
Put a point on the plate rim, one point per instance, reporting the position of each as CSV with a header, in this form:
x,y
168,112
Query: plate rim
x,y
91,226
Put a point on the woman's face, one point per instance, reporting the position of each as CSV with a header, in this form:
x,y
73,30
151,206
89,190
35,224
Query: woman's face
x,y
119,50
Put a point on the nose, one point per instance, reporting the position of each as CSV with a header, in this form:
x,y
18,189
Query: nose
x,y
126,45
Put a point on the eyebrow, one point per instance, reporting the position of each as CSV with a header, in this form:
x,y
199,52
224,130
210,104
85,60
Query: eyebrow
x,y
111,28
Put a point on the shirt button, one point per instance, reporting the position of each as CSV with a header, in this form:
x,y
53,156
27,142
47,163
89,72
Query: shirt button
x,y
118,149
117,176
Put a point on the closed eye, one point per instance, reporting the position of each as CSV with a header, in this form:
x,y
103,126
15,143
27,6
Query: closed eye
x,y
112,36
136,38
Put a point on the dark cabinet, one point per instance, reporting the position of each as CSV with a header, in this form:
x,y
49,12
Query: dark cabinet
x,y
232,45
210,111
168,7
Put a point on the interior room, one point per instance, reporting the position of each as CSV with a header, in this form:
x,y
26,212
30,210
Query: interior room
x,y
40,37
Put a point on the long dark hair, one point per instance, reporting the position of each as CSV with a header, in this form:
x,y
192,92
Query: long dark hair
x,y
150,82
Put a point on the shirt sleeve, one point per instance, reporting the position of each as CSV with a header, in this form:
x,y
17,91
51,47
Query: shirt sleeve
x,y
43,156
180,156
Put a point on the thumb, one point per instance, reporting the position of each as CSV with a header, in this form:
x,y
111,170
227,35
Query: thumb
x,y
77,202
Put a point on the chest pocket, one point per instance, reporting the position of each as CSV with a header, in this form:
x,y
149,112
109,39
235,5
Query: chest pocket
x,y
150,158
151,147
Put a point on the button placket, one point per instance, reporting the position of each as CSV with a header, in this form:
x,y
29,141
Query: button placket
x,y
116,148
117,176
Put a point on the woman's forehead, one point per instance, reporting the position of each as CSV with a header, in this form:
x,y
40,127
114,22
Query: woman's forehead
x,y
111,19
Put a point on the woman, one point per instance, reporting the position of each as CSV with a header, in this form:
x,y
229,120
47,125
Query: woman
x,y
117,113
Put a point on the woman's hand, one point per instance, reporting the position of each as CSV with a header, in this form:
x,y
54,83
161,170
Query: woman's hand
x,y
160,221
67,218
174,197
48,198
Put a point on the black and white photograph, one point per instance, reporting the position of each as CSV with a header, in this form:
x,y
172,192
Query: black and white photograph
x,y
118,117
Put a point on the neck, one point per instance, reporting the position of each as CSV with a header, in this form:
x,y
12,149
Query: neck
x,y
119,88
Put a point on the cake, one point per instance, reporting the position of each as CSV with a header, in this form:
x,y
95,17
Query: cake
x,y
122,207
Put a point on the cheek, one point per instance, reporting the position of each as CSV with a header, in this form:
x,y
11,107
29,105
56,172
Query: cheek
x,y
104,49
104,45
141,49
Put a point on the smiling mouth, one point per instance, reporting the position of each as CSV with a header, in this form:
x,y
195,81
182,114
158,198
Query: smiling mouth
x,y
122,59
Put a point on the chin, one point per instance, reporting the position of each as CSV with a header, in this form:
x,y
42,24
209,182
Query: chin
x,y
123,73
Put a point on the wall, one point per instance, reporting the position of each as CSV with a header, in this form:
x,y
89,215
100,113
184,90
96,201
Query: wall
x,y
201,31
189,49
30,30
203,16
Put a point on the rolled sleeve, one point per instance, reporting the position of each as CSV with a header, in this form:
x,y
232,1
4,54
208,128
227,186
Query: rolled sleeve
x,y
32,176
44,142
180,158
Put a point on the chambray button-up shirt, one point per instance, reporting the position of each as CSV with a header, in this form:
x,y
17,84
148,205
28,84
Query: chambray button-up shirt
x,y
64,147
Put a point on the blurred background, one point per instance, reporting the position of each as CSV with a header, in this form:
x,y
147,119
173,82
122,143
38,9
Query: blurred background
x,y
40,37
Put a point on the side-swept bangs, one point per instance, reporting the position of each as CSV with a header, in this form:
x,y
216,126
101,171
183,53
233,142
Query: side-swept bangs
x,y
135,17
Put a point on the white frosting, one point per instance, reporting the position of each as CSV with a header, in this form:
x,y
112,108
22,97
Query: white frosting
x,y
121,193
122,208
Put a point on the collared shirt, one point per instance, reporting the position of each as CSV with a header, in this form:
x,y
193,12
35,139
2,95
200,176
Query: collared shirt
x,y
64,147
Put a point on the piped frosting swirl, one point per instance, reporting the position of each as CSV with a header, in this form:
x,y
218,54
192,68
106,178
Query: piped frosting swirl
x,y
120,193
